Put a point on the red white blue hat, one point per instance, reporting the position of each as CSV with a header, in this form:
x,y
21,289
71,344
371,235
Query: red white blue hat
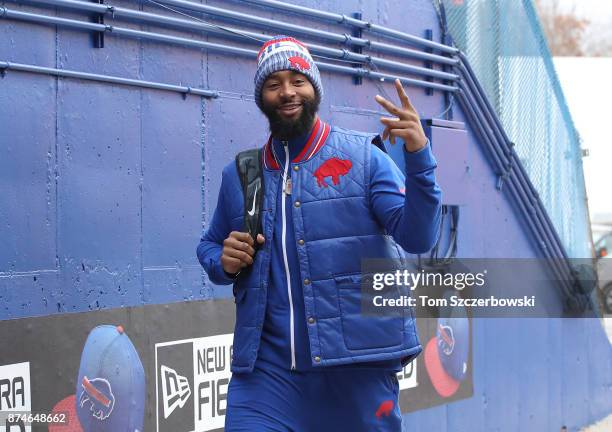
x,y
285,53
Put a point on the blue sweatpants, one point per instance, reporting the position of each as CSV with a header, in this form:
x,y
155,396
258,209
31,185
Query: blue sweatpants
x,y
276,399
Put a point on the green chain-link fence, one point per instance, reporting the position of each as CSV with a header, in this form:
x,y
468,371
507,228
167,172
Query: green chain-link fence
x,y
505,45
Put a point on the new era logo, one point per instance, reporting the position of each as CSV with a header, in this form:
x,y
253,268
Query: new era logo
x,y
192,383
175,390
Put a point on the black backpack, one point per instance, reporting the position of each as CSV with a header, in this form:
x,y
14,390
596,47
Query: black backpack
x,y
249,164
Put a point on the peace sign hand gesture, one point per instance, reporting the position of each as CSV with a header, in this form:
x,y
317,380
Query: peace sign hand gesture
x,y
406,123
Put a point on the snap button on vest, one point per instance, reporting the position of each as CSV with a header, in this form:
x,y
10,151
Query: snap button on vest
x,y
301,242
297,204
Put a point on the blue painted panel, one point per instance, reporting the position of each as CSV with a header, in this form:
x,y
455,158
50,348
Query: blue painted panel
x,y
170,63
191,279
172,284
235,77
432,419
450,147
99,144
555,345
171,172
27,43
599,370
92,285
500,363
163,285
574,385
532,374
121,56
32,294
27,173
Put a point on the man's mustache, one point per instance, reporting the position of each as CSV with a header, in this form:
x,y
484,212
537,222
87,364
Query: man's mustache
x,y
286,128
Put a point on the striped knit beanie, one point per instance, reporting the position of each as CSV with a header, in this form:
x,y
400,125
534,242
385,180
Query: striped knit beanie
x,y
285,53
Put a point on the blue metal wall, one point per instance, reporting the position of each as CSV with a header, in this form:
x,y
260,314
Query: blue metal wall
x,y
104,192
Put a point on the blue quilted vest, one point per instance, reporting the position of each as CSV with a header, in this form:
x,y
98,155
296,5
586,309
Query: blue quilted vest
x,y
334,231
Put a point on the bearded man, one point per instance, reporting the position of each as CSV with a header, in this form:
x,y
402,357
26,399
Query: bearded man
x,y
304,357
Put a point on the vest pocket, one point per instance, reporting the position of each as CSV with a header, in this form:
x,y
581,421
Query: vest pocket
x,y
246,307
360,331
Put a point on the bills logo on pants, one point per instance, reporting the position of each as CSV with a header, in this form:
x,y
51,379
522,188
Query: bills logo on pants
x,y
385,409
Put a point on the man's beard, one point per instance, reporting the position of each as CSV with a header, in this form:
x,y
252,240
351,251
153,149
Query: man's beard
x,y
286,129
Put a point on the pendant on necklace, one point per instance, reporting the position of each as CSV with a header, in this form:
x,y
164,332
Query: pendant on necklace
x,y
288,187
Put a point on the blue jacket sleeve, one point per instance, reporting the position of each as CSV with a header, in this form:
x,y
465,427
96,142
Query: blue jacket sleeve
x,y
210,248
409,207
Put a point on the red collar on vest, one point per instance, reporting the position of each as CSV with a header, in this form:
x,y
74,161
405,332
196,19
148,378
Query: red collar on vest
x,y
314,143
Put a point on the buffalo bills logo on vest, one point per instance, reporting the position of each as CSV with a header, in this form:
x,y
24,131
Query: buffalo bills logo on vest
x,y
98,393
333,168
446,339
298,63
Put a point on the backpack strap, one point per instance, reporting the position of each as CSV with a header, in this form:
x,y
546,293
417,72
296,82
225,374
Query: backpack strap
x,y
249,164
378,142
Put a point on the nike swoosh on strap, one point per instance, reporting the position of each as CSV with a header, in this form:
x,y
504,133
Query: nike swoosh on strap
x,y
252,211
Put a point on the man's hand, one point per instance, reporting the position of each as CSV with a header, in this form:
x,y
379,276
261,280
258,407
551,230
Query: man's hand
x,y
238,251
406,124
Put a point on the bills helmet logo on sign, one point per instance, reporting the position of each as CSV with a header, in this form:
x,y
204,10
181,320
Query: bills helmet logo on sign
x,y
446,339
98,394
175,390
